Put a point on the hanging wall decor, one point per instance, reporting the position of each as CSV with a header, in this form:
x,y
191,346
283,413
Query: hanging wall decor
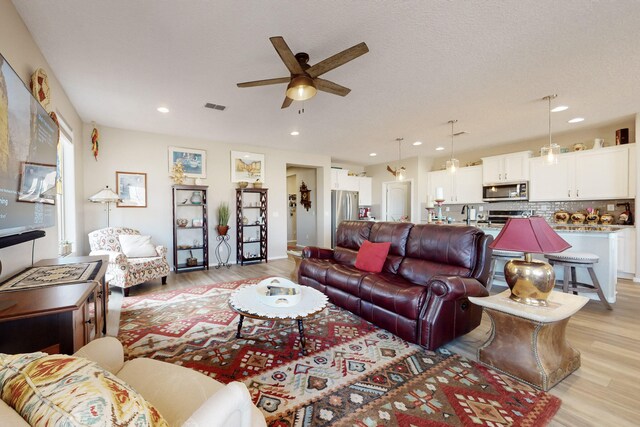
x,y
305,196
95,144
40,87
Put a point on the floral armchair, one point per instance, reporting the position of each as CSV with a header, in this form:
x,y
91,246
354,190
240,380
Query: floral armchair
x,y
123,271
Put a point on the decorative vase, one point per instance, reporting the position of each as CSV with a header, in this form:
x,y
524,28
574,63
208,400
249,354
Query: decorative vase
x,y
196,198
578,218
606,219
592,219
223,230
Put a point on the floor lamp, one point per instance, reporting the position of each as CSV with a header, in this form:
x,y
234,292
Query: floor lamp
x,y
106,195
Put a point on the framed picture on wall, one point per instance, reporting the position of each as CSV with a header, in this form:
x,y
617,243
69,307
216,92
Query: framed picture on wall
x,y
194,162
132,189
247,167
37,183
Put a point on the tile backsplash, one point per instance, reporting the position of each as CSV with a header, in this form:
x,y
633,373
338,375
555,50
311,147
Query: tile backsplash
x,y
545,209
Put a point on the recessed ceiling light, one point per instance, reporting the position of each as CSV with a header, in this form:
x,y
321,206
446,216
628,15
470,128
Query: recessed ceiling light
x,y
373,154
163,109
417,143
295,133
439,148
577,120
559,108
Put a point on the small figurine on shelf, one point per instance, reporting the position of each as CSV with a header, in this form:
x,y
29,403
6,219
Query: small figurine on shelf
x,y
177,173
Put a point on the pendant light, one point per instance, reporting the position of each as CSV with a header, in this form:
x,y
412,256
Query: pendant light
x,y
452,164
401,172
550,152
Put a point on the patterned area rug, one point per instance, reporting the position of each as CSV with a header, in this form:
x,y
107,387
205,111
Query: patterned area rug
x,y
355,374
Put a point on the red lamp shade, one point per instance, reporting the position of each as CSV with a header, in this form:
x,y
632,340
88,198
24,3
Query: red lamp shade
x,y
531,235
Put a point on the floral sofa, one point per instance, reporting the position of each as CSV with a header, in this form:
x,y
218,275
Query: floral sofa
x,y
124,271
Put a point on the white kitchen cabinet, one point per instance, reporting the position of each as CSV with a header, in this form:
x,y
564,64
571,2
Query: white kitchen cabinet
x,y
364,190
602,173
464,187
583,175
340,180
627,252
552,181
513,167
633,170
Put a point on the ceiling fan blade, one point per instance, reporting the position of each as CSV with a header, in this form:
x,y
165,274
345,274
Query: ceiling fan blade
x,y
287,102
286,55
337,60
331,87
265,82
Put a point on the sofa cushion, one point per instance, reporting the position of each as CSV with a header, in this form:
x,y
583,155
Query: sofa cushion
x,y
351,234
137,246
396,233
394,294
371,256
66,390
345,278
440,250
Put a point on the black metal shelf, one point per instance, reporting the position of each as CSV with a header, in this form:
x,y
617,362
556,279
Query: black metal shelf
x,y
184,192
259,213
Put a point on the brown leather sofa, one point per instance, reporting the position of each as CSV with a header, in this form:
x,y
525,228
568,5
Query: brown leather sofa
x,y
421,293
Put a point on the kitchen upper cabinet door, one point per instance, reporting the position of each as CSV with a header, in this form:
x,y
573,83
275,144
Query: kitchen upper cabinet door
x,y
516,167
441,179
633,170
602,174
468,185
552,182
364,191
492,169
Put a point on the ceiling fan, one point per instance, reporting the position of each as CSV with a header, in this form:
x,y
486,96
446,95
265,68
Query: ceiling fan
x,y
304,81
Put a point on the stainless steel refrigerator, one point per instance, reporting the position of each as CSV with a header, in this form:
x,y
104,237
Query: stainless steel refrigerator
x,y
344,207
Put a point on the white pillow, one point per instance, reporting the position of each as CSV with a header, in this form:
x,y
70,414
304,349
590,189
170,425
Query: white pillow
x,y
136,246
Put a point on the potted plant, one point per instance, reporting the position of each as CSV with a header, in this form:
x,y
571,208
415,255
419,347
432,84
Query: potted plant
x,y
223,218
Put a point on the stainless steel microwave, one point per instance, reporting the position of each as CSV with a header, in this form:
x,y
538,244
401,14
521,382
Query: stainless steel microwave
x,y
505,192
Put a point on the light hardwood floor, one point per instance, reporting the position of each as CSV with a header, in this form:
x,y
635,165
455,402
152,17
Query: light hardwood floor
x,y
605,391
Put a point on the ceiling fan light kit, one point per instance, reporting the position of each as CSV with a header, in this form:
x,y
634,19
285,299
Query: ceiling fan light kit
x,y
301,88
305,80
401,172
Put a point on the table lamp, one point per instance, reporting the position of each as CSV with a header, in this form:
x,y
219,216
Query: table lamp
x,y
530,281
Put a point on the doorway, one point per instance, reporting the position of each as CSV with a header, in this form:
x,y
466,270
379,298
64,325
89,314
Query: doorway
x,y
397,200
302,223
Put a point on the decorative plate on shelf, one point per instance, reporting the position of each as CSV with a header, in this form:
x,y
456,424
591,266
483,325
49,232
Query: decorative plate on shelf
x,y
40,87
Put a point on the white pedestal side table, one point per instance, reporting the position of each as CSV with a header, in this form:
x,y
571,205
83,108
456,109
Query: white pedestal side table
x,y
528,342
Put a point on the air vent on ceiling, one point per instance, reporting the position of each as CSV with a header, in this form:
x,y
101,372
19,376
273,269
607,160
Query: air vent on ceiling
x,y
214,106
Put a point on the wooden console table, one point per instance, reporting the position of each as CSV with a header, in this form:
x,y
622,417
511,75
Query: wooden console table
x,y
528,342
55,319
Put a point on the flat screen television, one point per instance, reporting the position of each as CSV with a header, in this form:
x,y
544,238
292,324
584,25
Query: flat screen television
x,y
28,154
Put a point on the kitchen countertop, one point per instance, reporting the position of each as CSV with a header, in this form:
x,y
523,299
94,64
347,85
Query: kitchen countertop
x,y
569,228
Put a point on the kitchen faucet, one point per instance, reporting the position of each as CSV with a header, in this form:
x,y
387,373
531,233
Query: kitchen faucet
x,y
465,209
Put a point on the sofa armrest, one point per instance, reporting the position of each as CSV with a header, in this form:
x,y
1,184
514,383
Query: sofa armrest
x,y
106,352
451,288
315,252
117,258
230,406
161,250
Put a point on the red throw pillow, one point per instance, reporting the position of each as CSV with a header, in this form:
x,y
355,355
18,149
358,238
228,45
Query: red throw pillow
x,y
371,256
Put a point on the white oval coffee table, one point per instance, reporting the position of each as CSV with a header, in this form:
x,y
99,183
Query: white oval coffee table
x,y
246,302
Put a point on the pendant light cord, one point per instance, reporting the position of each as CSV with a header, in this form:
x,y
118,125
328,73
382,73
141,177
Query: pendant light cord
x,y
452,123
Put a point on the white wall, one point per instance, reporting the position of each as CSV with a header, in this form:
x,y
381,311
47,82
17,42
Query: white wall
x,y
132,151
20,50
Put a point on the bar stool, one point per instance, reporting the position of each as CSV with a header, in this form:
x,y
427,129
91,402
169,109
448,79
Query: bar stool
x,y
503,256
571,260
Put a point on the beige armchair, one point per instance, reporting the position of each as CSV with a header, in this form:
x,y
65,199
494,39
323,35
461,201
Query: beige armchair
x,y
124,271
183,396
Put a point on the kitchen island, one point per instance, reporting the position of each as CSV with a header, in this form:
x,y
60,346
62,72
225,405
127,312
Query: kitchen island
x,y
598,240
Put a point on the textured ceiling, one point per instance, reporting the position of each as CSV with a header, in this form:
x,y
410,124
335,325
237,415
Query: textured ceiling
x,y
486,64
